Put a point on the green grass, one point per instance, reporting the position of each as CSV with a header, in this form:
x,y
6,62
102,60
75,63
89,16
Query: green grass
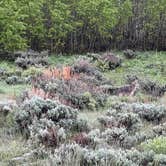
x,y
151,65
7,65
11,90
59,59
11,147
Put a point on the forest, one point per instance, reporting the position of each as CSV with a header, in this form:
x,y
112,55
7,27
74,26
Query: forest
x,y
82,82
66,26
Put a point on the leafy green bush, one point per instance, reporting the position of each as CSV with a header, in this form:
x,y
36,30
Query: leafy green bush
x,y
102,65
31,71
158,145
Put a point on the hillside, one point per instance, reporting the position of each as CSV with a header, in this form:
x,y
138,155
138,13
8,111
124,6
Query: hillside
x,y
102,109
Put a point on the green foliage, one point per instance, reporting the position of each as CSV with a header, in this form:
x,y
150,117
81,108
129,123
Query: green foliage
x,y
57,17
93,13
61,59
158,145
32,71
11,25
13,90
49,24
67,26
102,65
146,65
11,148
91,101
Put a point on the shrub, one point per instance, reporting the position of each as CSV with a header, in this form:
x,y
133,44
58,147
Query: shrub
x,y
84,66
150,112
67,154
91,103
160,129
94,134
38,108
135,139
105,157
2,72
23,119
160,160
44,131
94,56
61,112
158,145
152,88
131,78
31,58
81,125
115,118
80,93
21,62
129,54
15,80
47,121
114,135
81,139
31,71
140,158
77,155
112,60
102,65
9,56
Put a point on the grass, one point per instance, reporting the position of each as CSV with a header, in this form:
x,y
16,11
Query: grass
x,y
11,90
11,148
151,65
91,117
59,59
11,143
7,65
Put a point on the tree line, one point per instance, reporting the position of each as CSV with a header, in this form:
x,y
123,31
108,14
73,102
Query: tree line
x,y
82,25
